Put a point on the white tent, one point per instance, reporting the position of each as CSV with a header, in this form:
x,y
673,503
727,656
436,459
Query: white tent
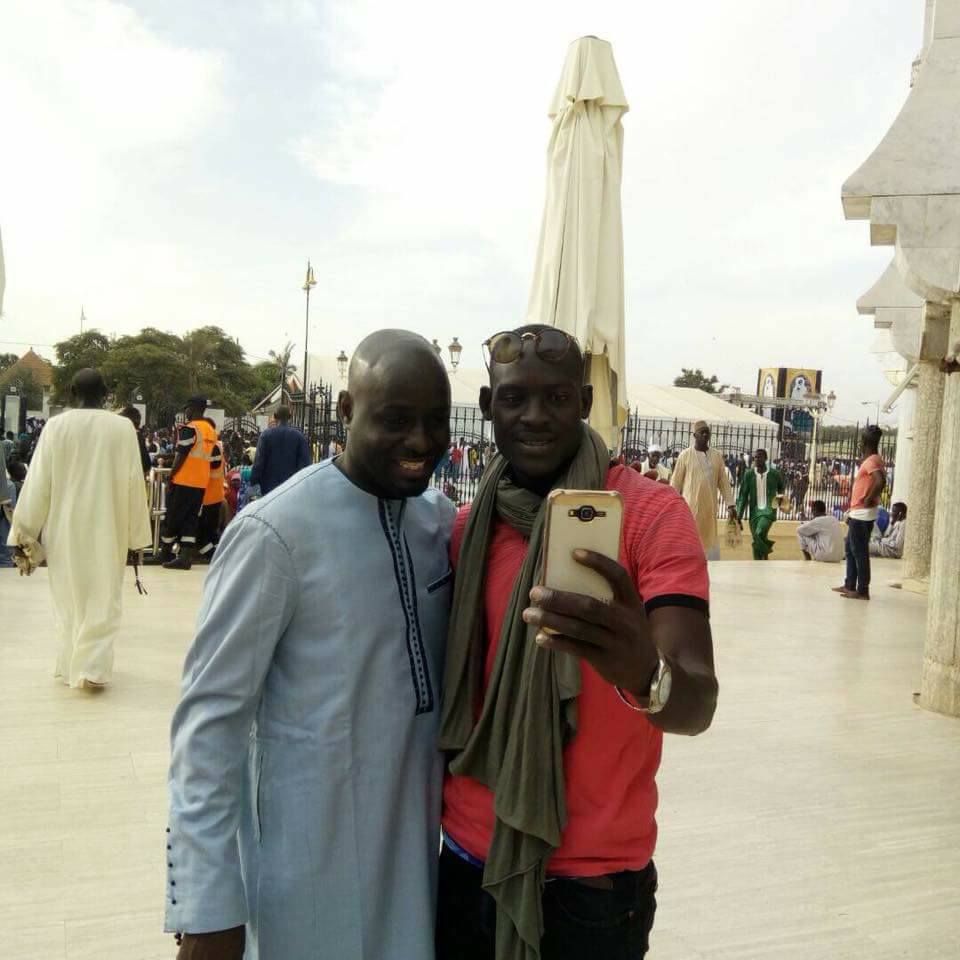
x,y
689,403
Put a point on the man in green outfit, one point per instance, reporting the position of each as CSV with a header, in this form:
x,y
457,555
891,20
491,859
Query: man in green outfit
x,y
761,484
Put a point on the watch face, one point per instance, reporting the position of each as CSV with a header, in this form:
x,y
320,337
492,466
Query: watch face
x,y
663,689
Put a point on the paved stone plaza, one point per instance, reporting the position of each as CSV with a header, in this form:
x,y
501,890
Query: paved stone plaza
x,y
817,819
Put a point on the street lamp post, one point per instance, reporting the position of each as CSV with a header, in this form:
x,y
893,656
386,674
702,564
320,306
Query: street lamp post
x,y
870,403
309,281
824,403
455,348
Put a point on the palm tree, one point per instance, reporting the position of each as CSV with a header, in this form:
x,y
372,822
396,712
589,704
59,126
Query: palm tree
x,y
198,351
284,367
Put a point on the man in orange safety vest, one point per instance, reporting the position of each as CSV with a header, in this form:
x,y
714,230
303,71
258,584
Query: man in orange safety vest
x,y
189,478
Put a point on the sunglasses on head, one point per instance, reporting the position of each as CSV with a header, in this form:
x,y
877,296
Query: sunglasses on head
x,y
507,347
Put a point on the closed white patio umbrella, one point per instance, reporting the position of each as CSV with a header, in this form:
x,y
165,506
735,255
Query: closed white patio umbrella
x,y
3,276
578,278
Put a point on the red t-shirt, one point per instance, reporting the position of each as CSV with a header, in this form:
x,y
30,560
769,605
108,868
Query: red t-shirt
x,y
861,486
611,765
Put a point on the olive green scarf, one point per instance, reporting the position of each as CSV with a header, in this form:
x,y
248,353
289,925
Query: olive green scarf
x,y
529,713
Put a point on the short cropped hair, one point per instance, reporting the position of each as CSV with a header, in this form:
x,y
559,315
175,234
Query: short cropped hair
x,y
132,414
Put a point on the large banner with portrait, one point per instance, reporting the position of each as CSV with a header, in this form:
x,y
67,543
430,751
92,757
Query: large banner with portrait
x,y
788,383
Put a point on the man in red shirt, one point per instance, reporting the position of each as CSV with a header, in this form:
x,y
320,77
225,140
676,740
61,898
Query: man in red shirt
x,y
554,738
864,506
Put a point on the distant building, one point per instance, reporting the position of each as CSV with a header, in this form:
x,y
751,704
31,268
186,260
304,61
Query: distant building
x,y
34,366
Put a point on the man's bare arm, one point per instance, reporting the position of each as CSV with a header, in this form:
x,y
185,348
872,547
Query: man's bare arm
x,y
624,645
684,638
877,479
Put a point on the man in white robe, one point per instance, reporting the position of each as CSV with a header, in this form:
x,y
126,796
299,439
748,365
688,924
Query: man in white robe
x,y
653,467
85,500
700,476
305,781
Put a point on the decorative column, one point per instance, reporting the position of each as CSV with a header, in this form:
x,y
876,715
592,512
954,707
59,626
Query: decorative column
x,y
940,686
903,474
898,311
921,503
909,190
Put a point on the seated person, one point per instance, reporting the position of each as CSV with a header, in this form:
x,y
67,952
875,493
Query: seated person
x,y
822,537
881,523
891,543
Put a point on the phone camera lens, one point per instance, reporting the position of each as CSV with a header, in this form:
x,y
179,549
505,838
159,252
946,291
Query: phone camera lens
x,y
586,514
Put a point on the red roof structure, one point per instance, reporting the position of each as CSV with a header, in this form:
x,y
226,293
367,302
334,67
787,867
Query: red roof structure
x,y
41,370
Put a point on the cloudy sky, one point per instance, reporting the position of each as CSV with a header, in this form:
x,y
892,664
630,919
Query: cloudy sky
x,y
174,164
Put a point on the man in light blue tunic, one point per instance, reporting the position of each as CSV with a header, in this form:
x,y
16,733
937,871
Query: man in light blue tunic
x,y
305,780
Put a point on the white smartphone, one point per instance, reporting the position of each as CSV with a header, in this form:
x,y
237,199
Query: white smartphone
x,y
581,520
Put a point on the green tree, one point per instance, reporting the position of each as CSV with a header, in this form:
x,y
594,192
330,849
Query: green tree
x,y
88,349
699,381
216,367
160,338
266,376
166,369
30,390
155,370
7,360
282,366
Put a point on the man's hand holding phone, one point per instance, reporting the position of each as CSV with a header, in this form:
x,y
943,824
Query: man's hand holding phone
x,y
614,638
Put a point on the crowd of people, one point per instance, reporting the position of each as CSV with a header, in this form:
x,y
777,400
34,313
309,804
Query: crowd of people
x,y
343,710
15,453
461,467
832,477
701,476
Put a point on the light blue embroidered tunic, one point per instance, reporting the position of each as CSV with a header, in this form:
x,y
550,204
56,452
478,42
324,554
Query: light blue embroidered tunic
x,y
305,783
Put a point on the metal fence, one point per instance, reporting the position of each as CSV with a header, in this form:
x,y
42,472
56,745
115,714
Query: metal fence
x,y
157,499
472,446
834,471
315,414
673,435
237,435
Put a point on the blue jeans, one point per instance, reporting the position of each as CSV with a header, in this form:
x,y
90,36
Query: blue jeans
x,y
858,556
